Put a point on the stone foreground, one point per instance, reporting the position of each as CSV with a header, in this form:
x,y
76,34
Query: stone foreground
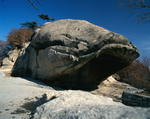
x,y
83,105
74,54
15,93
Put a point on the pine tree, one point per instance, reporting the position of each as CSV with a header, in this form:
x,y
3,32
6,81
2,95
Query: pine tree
x,y
31,25
46,17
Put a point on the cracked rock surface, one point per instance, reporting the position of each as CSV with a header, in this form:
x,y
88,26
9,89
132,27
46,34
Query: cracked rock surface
x,y
74,54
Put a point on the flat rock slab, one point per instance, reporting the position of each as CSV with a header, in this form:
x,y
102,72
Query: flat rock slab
x,y
136,98
83,105
17,96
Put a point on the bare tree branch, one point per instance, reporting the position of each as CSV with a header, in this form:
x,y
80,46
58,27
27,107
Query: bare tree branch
x,y
33,4
38,22
135,7
38,2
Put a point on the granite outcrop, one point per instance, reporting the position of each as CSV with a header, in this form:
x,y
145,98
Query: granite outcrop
x,y
74,54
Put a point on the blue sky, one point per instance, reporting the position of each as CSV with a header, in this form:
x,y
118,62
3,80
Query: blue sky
x,y
104,13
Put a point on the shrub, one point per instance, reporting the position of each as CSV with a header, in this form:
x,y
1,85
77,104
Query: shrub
x,y
17,37
3,48
137,75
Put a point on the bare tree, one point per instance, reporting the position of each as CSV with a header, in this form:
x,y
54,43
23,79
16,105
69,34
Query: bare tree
x,y
18,37
3,49
33,3
139,7
137,74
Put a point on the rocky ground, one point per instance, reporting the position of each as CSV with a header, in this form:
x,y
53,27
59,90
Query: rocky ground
x,y
112,89
17,95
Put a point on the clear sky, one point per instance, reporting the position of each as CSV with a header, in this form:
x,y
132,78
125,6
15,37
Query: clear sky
x,y
104,13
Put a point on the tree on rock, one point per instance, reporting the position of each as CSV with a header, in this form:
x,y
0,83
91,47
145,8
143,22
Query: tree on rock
x,y
46,17
18,37
31,25
139,7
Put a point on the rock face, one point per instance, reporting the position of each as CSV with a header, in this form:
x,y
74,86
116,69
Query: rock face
x,y
9,61
11,57
84,105
74,54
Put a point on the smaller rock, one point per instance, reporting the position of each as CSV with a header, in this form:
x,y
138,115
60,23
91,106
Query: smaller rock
x,y
6,62
108,81
83,105
13,55
46,97
134,98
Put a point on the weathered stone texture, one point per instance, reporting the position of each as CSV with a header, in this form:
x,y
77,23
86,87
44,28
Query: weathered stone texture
x,y
10,59
75,54
84,105
131,98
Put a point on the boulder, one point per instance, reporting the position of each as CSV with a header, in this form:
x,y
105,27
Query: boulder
x,y
6,63
11,57
83,105
74,54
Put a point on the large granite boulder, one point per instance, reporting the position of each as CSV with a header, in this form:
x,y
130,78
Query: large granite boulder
x,y
74,54
83,105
